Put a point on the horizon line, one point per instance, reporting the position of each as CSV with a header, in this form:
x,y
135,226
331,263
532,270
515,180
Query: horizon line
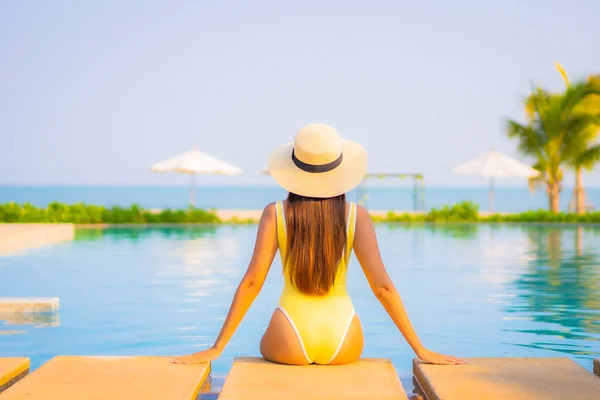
x,y
229,185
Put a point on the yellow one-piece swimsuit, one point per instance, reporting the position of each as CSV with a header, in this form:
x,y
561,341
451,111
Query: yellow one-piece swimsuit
x,y
320,322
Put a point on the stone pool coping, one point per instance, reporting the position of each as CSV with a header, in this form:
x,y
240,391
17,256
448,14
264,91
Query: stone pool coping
x,y
507,378
20,305
115,378
12,369
120,377
255,378
16,238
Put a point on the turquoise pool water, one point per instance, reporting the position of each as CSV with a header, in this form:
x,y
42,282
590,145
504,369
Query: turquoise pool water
x,y
471,290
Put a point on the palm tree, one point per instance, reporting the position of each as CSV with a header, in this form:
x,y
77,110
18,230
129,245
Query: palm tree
x,y
588,153
585,157
554,134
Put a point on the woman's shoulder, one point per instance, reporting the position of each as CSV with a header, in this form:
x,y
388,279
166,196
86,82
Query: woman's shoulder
x,y
270,207
269,212
359,208
362,214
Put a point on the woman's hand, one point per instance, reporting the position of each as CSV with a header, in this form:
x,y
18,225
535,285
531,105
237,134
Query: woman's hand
x,y
436,358
198,358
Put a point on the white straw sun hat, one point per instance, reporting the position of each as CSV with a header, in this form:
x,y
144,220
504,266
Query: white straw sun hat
x,y
318,163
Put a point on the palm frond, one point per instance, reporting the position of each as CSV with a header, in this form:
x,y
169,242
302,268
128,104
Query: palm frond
x,y
578,125
588,158
563,73
529,139
535,182
594,80
561,129
576,94
529,108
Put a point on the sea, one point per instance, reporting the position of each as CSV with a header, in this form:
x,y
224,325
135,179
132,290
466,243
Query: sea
x,y
506,199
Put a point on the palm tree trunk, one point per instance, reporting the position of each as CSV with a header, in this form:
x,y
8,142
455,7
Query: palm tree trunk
x,y
555,247
579,192
552,189
579,241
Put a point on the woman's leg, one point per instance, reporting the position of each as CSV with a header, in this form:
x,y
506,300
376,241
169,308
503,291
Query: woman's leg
x,y
353,344
280,343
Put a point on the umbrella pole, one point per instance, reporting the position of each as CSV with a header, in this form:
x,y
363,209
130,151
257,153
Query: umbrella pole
x,y
491,195
193,191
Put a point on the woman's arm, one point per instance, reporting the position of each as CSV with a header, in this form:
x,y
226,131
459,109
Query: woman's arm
x,y
367,253
251,284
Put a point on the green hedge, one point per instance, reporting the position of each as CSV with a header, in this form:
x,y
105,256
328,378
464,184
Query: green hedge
x,y
469,212
462,212
90,214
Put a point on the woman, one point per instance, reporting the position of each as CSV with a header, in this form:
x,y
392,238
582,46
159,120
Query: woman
x,y
315,231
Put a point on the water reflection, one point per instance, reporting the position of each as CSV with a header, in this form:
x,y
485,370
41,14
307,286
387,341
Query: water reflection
x,y
449,230
136,234
30,318
559,290
200,272
205,260
419,232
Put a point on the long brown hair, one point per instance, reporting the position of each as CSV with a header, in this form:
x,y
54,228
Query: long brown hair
x,y
316,232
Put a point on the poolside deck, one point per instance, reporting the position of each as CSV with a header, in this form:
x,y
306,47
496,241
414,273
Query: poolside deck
x,y
115,378
508,378
18,238
255,378
11,370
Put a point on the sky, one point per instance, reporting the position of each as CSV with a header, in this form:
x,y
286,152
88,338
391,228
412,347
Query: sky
x,y
94,92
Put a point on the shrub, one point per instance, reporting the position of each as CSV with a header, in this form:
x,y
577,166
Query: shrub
x,y
89,214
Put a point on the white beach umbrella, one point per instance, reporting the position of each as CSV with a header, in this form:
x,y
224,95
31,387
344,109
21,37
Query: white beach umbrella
x,y
195,162
495,165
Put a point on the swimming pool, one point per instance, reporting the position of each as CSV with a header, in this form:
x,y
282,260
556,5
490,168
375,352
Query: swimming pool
x,y
471,290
